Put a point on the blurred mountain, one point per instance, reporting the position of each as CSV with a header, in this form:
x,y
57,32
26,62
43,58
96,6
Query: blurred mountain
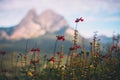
x,y
40,29
34,25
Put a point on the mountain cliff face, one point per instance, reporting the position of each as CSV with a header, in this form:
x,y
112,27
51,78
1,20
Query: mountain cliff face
x,y
34,25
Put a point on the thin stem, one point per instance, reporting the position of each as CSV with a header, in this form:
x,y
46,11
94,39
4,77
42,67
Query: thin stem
x,y
55,48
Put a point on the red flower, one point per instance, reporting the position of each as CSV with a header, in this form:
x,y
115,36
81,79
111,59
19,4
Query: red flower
x,y
2,53
58,53
32,50
72,48
77,20
97,55
32,61
52,59
77,47
77,55
81,19
113,47
61,56
38,50
60,38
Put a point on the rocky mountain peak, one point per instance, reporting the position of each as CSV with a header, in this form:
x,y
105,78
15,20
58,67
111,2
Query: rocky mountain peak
x,y
34,25
29,17
52,21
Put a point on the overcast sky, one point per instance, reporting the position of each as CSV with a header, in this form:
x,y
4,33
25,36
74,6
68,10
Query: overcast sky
x,y
99,15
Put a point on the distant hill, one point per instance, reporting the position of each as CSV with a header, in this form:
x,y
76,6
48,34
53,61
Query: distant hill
x,y
41,29
103,39
34,25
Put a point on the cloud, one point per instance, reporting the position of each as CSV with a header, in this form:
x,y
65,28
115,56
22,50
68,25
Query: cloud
x,y
76,5
63,6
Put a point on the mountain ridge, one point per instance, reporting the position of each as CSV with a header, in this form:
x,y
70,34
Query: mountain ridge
x,y
34,25
41,29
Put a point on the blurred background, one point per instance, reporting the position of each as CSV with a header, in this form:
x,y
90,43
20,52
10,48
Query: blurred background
x,y
41,20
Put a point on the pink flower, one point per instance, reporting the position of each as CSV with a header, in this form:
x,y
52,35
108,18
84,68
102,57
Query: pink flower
x,y
81,19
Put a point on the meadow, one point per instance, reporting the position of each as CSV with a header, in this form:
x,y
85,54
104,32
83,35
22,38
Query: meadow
x,y
98,63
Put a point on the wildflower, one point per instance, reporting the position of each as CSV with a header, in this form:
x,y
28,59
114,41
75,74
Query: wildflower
x,y
61,56
52,59
77,55
77,20
32,62
81,19
58,53
38,50
96,55
91,66
2,53
113,47
76,47
60,38
30,74
32,50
